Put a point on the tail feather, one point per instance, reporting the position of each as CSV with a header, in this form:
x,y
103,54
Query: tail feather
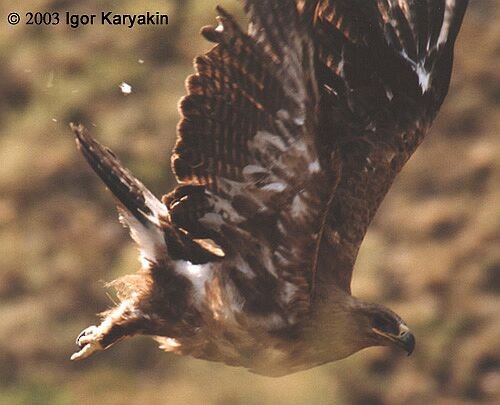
x,y
147,217
129,191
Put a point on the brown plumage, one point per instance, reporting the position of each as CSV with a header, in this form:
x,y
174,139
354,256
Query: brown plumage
x,y
290,137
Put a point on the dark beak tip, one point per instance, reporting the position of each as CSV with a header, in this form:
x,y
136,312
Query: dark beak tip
x,y
408,342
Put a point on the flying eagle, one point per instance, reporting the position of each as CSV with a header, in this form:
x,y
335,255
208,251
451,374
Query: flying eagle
x,y
290,137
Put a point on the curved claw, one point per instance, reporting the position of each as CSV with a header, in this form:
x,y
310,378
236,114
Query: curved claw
x,y
88,342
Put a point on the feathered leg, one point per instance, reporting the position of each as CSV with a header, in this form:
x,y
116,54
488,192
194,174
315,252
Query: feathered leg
x,y
119,323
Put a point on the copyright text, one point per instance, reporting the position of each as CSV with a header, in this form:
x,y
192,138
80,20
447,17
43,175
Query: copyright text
x,y
73,20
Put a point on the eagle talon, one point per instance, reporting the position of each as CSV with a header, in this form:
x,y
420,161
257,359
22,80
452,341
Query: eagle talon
x,y
88,342
85,335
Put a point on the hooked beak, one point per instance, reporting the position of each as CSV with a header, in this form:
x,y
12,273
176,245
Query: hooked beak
x,y
404,339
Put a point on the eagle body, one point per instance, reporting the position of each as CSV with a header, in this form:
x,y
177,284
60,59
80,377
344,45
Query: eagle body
x,y
290,137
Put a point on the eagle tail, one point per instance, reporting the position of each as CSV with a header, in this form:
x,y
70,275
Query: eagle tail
x,y
130,192
148,219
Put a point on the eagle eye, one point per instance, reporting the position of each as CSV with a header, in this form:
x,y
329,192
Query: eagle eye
x,y
385,323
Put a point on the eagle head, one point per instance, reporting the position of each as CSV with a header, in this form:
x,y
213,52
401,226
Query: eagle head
x,y
347,325
386,328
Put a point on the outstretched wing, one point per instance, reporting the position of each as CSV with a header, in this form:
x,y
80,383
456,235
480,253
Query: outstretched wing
x,y
246,156
383,70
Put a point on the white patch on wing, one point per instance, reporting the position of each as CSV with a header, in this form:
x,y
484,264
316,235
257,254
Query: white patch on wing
x,y
288,291
281,228
389,93
263,139
283,115
198,274
243,266
282,260
340,68
403,5
224,209
268,262
229,187
299,120
330,89
445,28
212,220
235,302
424,77
314,166
150,239
301,147
299,207
276,187
253,169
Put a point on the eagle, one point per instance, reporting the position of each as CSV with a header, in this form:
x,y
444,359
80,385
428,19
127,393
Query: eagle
x,y
290,136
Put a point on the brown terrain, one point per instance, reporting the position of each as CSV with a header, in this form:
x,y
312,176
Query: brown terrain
x,y
432,253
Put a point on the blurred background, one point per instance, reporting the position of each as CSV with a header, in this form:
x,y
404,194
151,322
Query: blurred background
x,y
432,254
